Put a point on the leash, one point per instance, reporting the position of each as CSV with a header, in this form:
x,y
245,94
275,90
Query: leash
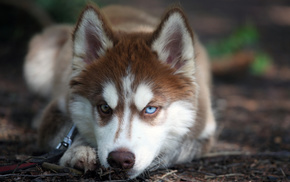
x,y
52,156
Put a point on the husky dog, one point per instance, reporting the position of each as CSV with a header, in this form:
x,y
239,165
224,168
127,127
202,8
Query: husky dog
x,y
138,90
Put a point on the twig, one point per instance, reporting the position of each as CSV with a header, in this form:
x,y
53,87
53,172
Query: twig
x,y
167,174
225,175
284,175
22,162
225,153
58,168
35,176
282,154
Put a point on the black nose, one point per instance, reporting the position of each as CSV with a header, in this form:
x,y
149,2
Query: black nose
x,y
121,159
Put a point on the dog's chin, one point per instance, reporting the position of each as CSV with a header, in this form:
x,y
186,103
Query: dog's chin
x,y
134,173
139,169
130,173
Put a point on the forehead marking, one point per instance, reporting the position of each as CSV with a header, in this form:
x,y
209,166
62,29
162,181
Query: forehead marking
x,y
110,95
126,100
127,86
143,96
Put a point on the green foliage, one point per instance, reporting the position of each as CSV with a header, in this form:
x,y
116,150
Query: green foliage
x,y
65,11
261,63
245,36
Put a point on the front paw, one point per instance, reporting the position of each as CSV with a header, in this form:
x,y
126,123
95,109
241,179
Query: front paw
x,y
80,157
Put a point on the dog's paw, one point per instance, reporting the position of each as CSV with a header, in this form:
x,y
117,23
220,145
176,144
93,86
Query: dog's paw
x,y
80,157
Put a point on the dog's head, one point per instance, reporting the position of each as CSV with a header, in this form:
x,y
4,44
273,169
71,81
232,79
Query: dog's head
x,y
133,96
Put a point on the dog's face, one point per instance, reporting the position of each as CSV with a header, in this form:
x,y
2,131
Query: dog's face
x,y
133,96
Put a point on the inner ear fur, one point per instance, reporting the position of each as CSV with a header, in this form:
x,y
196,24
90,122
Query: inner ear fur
x,y
165,17
173,42
92,37
105,23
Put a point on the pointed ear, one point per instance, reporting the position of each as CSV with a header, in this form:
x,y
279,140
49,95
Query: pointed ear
x,y
91,38
173,41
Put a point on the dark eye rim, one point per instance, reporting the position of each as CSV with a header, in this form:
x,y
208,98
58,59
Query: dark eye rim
x,y
153,114
101,111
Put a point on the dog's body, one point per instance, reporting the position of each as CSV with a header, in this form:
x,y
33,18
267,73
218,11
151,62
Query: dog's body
x,y
137,91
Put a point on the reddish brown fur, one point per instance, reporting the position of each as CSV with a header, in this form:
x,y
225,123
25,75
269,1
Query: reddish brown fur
x,y
48,130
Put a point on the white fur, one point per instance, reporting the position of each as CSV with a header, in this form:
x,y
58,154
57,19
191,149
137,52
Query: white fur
x,y
79,155
143,96
181,116
110,94
145,142
81,113
41,80
127,84
184,113
61,103
148,141
210,127
105,139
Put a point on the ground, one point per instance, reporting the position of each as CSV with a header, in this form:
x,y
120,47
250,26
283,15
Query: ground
x,y
253,112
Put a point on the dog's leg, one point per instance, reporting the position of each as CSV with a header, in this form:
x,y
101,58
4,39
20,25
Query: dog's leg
x,y
55,124
80,155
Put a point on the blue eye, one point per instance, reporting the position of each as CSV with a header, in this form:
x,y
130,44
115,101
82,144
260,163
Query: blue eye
x,y
150,110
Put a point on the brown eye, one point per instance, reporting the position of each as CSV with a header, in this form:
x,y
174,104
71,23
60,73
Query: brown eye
x,y
105,109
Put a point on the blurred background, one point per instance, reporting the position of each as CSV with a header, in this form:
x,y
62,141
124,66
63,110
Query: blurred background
x,y
248,42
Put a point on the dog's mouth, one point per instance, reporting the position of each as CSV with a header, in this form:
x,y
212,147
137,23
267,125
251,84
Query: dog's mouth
x,y
110,173
117,173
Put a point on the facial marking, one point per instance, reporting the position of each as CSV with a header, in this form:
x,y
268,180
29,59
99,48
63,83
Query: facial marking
x,y
110,95
127,85
143,96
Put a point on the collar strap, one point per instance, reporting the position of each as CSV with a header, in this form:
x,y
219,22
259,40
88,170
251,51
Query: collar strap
x,y
68,139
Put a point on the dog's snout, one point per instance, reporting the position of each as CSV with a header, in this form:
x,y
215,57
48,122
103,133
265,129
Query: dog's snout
x,y
121,159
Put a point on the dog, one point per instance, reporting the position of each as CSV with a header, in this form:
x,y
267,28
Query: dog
x,y
136,88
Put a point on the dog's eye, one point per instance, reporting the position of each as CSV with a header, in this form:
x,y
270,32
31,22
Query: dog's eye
x,y
105,108
150,110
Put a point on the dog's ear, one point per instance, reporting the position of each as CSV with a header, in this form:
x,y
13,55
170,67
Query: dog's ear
x,y
173,41
91,38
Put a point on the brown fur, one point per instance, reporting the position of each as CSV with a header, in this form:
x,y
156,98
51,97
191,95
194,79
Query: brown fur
x,y
48,130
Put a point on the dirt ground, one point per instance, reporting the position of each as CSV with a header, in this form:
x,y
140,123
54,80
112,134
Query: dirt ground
x,y
253,112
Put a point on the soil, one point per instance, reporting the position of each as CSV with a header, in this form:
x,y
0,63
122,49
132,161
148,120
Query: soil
x,y
253,112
